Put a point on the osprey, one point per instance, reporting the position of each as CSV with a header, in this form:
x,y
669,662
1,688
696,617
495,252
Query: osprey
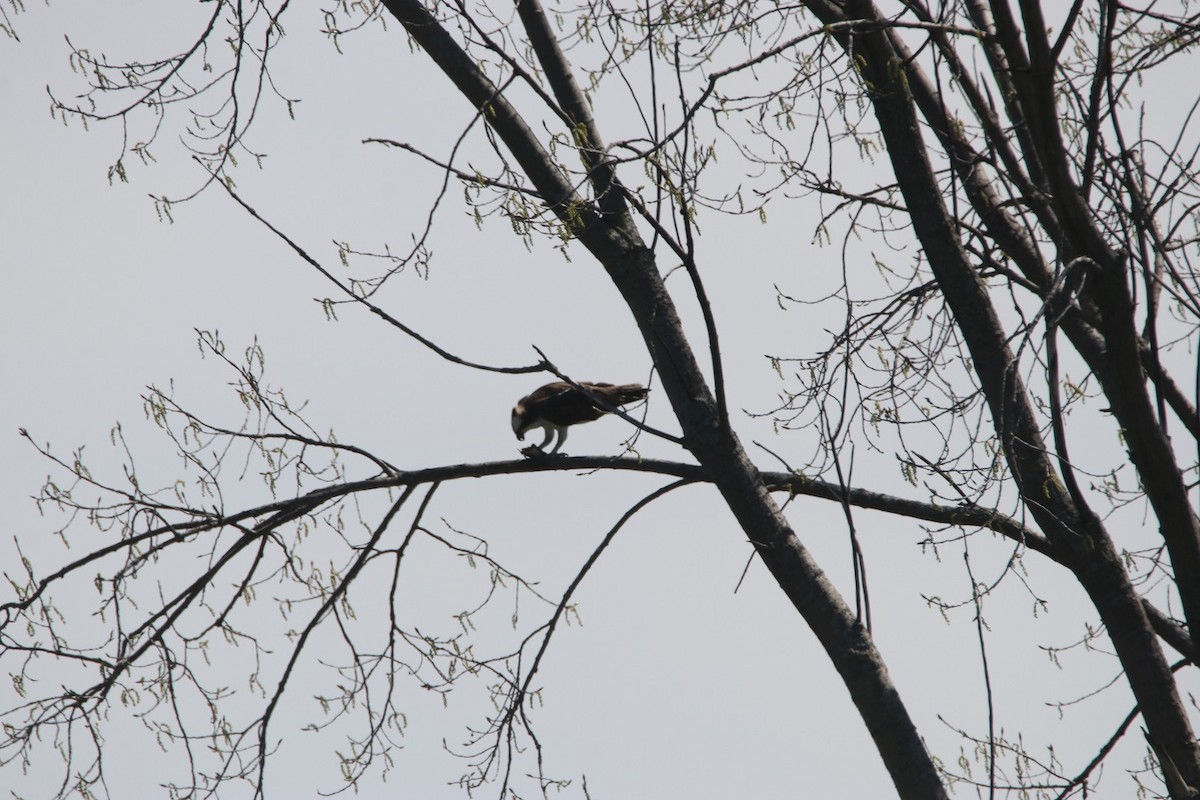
x,y
556,406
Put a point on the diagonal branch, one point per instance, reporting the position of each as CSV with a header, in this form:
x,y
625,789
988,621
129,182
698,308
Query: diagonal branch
x,y
374,309
584,131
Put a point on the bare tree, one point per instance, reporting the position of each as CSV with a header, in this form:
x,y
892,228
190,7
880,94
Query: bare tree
x,y
1049,304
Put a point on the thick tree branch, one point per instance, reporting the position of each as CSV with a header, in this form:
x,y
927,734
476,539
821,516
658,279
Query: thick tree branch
x,y
615,242
586,134
1094,558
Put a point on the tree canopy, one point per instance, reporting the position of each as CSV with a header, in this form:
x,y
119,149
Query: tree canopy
x,y
975,225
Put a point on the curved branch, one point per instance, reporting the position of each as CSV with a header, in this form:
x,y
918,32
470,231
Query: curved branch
x,y
330,602
517,697
374,309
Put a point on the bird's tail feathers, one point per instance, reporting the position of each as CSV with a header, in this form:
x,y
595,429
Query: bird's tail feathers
x,y
617,395
632,392
625,393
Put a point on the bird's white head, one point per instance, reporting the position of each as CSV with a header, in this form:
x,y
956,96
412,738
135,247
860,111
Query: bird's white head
x,y
520,423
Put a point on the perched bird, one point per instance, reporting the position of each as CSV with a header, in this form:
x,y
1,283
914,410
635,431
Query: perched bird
x,y
556,406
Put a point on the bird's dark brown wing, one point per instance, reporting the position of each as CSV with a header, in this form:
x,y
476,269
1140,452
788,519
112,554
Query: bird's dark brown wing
x,y
545,393
562,404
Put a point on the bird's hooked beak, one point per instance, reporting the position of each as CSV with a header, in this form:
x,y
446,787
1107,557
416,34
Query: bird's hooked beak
x,y
518,419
